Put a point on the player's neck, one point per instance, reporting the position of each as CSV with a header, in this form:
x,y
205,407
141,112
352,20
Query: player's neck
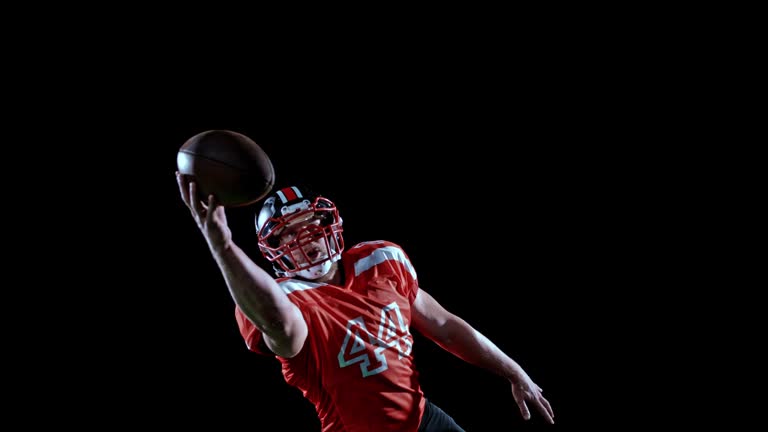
x,y
335,275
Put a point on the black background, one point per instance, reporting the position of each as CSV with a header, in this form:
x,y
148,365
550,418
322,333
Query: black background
x,y
519,193
510,216
572,181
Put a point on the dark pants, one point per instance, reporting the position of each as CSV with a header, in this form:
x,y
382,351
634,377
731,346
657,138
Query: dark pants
x,y
436,420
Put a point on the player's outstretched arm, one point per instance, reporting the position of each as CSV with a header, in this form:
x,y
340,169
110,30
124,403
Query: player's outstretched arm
x,y
459,338
256,293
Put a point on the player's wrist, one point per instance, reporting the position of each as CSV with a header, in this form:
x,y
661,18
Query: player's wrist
x,y
514,372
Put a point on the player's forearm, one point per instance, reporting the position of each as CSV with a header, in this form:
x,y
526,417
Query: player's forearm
x,y
463,341
256,293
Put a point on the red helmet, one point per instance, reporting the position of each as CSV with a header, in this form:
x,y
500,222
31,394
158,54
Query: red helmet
x,y
315,247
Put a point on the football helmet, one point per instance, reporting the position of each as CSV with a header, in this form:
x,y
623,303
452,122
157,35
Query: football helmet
x,y
313,240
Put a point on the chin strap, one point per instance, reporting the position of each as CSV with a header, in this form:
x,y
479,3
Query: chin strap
x,y
317,271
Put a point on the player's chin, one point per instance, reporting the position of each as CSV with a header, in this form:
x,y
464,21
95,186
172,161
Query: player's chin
x,y
317,261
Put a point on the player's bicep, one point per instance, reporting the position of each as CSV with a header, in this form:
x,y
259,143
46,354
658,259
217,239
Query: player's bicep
x,y
429,317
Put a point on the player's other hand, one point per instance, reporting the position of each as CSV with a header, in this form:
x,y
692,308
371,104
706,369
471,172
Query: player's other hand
x,y
526,392
210,217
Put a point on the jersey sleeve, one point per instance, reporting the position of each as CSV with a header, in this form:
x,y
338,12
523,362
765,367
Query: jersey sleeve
x,y
252,336
407,275
391,259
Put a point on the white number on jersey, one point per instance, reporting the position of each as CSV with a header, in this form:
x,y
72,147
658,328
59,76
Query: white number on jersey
x,y
393,333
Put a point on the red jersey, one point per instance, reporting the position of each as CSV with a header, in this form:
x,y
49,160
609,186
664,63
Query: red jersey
x,y
356,365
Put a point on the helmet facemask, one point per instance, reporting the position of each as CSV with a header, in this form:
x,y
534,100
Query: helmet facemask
x,y
313,243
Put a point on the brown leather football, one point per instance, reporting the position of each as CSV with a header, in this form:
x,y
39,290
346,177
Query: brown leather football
x,y
227,164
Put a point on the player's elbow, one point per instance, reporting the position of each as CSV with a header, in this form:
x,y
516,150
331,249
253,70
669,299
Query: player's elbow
x,y
293,342
450,330
287,339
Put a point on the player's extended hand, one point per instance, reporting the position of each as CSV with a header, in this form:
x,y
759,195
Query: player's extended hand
x,y
210,218
525,390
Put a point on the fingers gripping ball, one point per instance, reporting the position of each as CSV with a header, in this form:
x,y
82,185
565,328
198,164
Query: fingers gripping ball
x,y
228,165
